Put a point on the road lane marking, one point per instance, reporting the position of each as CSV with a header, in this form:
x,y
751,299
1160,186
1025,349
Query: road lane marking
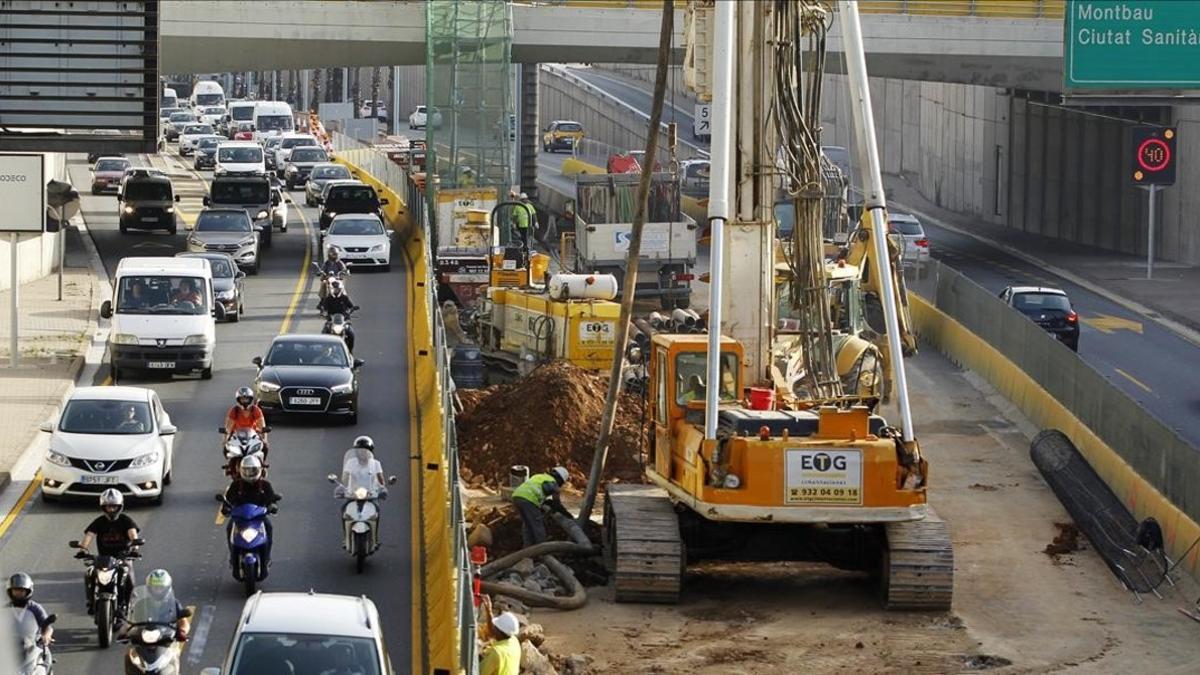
x,y
199,637
1134,380
1106,323
25,497
302,281
220,520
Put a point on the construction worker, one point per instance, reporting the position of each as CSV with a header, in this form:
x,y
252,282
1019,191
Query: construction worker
x,y
467,179
523,216
539,492
695,389
502,655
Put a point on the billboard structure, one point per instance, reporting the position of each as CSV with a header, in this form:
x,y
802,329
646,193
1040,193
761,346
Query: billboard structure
x,y
79,76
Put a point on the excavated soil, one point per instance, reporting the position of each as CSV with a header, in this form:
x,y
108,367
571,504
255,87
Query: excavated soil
x,y
1065,542
549,418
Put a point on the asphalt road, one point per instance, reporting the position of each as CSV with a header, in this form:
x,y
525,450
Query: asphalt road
x,y
640,97
182,535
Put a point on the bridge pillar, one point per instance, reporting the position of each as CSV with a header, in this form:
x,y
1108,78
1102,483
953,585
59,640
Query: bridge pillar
x,y
528,139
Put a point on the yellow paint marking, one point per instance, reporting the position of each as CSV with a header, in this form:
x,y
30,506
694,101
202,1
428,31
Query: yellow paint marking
x,y
1110,324
1134,380
25,497
220,520
302,281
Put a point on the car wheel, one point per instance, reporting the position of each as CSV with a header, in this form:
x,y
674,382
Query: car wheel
x,y
95,191
235,317
283,228
113,373
123,228
174,229
206,374
168,478
352,419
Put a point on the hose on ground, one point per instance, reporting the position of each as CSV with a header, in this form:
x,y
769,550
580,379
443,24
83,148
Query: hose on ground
x,y
543,549
577,598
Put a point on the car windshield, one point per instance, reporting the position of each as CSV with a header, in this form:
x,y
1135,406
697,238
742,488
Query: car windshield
x,y
309,155
909,227
275,653
272,143
221,269
225,192
356,226
352,193
295,353
288,143
331,172
136,190
82,416
167,112
691,369
245,155
274,122
198,129
153,294
1040,302
223,221
206,143
112,165
242,113
420,109
570,127
214,110
183,117
208,99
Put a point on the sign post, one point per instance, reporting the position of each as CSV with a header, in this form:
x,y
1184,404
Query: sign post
x,y
1153,167
23,194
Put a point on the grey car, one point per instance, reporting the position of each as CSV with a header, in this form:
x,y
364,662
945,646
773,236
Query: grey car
x,y
229,282
226,231
300,164
269,147
319,177
176,122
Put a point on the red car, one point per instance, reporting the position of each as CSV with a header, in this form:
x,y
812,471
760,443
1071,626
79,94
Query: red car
x,y
245,132
107,173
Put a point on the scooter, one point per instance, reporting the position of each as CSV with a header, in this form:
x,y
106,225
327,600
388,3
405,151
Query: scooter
x,y
339,325
110,574
34,654
151,635
360,520
248,541
243,443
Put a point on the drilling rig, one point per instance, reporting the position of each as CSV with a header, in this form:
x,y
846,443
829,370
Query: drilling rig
x,y
818,476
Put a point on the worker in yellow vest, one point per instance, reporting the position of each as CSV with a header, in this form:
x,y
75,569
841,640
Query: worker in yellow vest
x,y
533,497
502,654
523,217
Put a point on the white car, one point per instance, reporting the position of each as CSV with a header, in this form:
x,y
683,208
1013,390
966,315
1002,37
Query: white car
x,y
319,630
419,118
279,210
109,437
360,239
907,230
240,158
380,110
211,114
191,135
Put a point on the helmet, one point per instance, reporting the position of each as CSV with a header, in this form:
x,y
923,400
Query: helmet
x,y
18,583
364,442
158,583
336,286
112,502
507,624
560,474
250,469
244,396
524,195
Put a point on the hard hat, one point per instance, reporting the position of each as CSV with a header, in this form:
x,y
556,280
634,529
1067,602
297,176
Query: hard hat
x,y
560,474
507,624
524,196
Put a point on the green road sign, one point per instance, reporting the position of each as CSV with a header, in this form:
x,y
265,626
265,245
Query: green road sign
x,y
1132,44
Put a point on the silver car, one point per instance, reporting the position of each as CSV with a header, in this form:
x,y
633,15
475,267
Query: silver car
x,y
226,231
300,164
319,177
906,230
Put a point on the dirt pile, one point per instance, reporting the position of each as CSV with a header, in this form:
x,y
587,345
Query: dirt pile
x,y
549,418
1065,542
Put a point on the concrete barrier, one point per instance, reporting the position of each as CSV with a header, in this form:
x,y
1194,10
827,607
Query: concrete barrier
x,y
1147,465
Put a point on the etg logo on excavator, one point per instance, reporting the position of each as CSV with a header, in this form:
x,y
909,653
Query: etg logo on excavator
x,y
823,462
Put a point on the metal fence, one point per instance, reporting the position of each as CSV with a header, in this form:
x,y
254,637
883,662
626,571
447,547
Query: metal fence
x,y
996,9
1153,449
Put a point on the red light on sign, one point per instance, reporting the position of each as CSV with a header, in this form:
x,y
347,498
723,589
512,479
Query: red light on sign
x,y
1153,154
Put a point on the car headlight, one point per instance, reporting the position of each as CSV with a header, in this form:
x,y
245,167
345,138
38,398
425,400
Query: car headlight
x,y
260,215
195,340
331,214
377,247
248,534
246,242
58,458
128,209
124,339
271,386
226,295
148,459
170,209
343,388
193,241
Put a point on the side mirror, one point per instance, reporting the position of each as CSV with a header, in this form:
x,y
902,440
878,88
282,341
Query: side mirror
x,y
47,426
239,275
120,197
320,201
383,202
391,480
332,478
275,200
137,542
257,361
266,429
168,430
74,543
221,430
207,201
354,174
106,309
359,363
219,497
176,197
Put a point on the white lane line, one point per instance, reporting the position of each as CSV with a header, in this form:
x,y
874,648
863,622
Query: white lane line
x,y
201,625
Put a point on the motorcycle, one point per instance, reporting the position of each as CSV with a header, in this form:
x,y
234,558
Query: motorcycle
x,y
151,633
244,443
326,278
360,520
248,541
339,325
109,574
33,652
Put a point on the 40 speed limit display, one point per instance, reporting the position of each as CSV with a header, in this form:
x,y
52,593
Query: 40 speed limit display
x,y
823,477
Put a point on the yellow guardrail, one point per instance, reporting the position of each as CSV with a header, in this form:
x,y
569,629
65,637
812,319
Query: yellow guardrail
x,y
997,9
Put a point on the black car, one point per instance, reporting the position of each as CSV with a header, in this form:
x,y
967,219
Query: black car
x,y
206,153
349,198
308,374
146,201
1049,308
229,285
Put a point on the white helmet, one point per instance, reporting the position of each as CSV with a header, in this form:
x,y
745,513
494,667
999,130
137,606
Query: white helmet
x,y
112,502
560,474
507,623
250,468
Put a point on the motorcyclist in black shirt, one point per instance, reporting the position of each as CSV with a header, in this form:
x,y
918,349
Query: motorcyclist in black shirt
x,y
114,533
251,488
338,302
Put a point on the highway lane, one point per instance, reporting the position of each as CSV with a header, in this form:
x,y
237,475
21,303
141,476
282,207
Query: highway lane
x,y
640,96
182,535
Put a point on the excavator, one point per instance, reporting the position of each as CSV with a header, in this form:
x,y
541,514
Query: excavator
x,y
766,442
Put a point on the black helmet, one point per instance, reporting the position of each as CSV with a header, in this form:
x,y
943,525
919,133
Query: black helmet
x,y
244,396
336,286
364,442
22,584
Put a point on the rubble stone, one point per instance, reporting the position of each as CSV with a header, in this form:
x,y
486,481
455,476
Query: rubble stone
x,y
533,662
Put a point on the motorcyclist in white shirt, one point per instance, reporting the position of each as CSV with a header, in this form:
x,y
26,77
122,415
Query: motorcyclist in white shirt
x,y
361,469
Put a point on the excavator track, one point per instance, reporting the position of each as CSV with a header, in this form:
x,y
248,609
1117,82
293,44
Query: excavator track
x,y
642,546
918,565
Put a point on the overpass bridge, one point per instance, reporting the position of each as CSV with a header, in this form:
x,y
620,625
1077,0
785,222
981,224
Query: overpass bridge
x,y
1002,43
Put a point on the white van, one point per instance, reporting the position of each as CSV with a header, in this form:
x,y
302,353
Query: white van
x,y
243,158
169,98
272,118
207,93
239,111
163,317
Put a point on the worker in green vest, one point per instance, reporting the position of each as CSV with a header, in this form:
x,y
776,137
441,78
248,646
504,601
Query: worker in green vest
x,y
533,497
523,216
502,654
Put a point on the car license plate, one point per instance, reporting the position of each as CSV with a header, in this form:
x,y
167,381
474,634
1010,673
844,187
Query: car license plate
x,y
150,219
160,364
101,480
304,400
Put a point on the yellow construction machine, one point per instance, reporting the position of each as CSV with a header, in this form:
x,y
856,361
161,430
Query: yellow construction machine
x,y
736,472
